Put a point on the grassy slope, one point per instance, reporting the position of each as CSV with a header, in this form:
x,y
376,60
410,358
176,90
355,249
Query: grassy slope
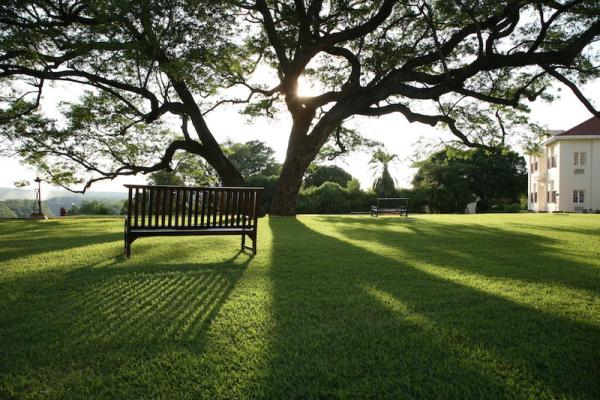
x,y
496,306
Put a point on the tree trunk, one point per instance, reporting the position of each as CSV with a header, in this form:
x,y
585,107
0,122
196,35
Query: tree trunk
x,y
301,151
288,184
229,175
211,151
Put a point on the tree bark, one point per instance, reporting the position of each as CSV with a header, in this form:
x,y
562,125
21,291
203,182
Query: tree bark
x,y
211,151
288,184
230,176
302,150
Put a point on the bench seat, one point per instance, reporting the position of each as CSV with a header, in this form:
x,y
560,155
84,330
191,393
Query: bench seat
x,y
390,205
189,231
191,211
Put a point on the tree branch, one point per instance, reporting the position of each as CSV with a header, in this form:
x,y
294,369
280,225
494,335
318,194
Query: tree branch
x,y
580,96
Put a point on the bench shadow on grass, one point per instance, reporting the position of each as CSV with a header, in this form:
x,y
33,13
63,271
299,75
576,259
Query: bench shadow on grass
x,y
93,318
363,325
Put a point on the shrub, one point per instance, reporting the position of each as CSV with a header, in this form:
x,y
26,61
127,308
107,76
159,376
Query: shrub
x,y
329,198
513,208
98,207
267,182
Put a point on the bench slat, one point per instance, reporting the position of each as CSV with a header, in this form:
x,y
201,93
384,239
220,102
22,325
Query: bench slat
x,y
137,207
196,211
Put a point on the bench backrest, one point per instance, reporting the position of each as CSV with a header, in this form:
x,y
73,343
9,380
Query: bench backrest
x,y
392,203
187,207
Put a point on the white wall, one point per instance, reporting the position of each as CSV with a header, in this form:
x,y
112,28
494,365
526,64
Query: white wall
x,y
588,181
553,177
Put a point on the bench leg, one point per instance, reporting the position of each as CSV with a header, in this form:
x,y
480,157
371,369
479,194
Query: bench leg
x,y
127,248
126,244
252,237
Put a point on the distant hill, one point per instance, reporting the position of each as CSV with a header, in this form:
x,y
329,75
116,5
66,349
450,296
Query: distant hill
x,y
7,193
55,199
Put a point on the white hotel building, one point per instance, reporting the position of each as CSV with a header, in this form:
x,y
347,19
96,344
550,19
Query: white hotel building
x,y
565,176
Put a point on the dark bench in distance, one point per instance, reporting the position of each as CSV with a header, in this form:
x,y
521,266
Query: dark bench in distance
x,y
390,205
185,210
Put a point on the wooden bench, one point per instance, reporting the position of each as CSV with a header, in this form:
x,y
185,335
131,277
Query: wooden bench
x,y
391,205
184,210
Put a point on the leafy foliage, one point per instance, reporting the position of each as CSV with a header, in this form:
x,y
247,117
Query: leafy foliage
x,y
469,67
99,207
136,62
344,141
451,178
384,185
331,198
317,174
252,158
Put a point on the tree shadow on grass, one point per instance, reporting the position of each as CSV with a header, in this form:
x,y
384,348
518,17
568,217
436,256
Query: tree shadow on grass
x,y
353,323
94,324
489,251
20,238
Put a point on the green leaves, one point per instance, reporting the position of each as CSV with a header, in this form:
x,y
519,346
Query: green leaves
x,y
451,178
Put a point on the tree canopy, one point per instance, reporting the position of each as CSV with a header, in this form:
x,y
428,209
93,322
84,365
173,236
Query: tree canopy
x,y
252,158
468,66
384,184
316,175
451,178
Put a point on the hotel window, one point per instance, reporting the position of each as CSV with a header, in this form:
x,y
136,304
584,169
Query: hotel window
x,y
534,193
553,161
579,158
533,166
551,196
578,196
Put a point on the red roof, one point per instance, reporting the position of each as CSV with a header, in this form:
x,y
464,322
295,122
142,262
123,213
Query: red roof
x,y
589,127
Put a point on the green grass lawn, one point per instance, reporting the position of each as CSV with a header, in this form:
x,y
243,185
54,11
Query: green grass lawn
x,y
458,306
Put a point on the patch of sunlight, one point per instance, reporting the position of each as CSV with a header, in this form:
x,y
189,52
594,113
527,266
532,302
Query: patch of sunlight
x,y
469,354
91,255
398,307
577,304
307,88
242,332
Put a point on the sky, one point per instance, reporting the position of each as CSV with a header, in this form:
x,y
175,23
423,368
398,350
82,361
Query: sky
x,y
398,135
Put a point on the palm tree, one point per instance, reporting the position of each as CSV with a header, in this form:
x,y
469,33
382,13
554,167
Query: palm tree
x,y
384,184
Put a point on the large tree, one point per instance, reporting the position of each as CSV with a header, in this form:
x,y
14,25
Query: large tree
x,y
384,184
466,65
462,64
137,64
451,178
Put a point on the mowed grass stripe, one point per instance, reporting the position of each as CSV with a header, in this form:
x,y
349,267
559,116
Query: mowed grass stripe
x,y
445,306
